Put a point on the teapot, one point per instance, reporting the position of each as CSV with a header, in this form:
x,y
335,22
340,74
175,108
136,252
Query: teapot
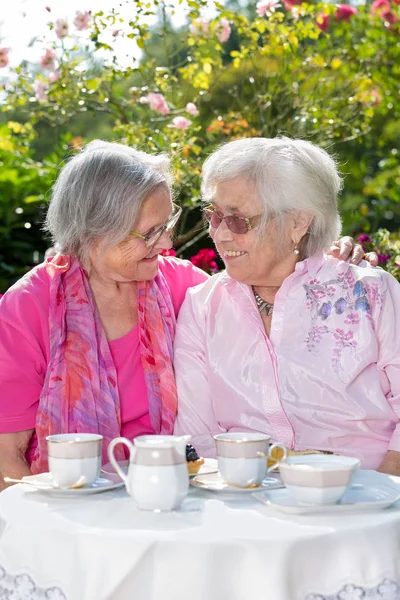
x,y
157,477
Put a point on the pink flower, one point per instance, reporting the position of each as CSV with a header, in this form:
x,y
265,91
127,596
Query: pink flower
x,y
54,76
61,28
388,15
289,4
180,123
200,27
82,19
170,252
192,109
205,259
47,60
48,8
323,21
377,5
344,12
156,101
40,88
4,60
223,30
267,7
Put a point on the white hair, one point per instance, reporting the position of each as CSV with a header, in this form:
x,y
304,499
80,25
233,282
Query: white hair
x,y
99,193
289,175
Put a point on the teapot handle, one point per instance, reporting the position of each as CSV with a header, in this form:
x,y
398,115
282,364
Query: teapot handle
x,y
113,461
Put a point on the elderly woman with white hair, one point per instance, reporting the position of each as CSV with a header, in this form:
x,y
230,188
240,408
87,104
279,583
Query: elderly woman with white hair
x,y
86,338
287,341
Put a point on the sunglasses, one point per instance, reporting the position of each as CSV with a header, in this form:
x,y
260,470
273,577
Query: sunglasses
x,y
235,224
151,238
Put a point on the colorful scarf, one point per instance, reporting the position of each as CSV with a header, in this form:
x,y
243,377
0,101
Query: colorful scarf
x,y
80,392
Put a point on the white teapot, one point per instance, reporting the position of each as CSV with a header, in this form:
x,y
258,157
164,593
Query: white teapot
x,y
157,477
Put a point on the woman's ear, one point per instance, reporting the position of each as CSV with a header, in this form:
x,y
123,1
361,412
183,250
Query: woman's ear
x,y
301,222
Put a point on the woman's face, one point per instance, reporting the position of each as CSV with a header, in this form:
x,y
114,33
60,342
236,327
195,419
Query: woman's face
x,y
131,259
247,258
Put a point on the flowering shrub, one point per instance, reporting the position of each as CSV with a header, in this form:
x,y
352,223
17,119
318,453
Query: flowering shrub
x,y
387,247
205,259
308,69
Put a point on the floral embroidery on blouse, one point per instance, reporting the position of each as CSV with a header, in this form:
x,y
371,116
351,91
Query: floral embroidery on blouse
x,y
343,296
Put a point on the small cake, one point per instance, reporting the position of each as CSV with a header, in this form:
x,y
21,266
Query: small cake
x,y
194,461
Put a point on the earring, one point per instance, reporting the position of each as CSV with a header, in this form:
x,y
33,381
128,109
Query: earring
x,y
296,248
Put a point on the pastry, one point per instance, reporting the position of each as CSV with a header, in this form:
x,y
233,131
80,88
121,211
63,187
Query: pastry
x,y
194,461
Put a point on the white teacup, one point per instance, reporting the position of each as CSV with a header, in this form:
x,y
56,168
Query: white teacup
x,y
74,456
318,478
242,457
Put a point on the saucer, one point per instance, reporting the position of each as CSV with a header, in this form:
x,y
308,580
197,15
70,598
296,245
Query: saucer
x,y
365,494
214,483
102,484
209,466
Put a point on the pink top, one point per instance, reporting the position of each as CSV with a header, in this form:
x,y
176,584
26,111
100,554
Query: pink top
x,y
24,350
327,378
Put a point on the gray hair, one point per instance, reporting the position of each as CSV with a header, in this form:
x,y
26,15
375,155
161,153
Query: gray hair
x,y
99,193
289,175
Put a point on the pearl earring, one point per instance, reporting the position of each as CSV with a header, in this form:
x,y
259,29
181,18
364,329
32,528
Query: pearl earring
x,y
296,248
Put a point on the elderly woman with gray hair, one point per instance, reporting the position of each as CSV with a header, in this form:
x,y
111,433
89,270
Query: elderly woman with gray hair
x,y
287,341
86,338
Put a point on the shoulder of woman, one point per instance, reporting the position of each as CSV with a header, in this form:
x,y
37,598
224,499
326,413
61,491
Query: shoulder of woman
x,y
28,297
183,271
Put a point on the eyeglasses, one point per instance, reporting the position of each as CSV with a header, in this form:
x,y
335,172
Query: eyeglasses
x,y
235,224
151,238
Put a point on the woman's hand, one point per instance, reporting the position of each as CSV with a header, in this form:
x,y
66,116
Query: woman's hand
x,y
12,455
391,463
346,248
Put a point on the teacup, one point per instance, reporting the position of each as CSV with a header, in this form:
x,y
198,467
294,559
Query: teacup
x,y
242,457
318,478
74,456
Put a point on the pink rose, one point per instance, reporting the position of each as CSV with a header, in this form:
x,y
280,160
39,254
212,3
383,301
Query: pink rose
x,y
223,30
4,59
192,109
377,5
61,28
82,19
267,7
40,88
344,12
200,27
54,76
180,123
323,21
156,102
388,15
205,259
47,61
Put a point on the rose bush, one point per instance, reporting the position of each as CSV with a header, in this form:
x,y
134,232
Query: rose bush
x,y
328,73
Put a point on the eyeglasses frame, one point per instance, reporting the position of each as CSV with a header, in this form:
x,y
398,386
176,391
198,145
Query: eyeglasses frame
x,y
248,220
168,226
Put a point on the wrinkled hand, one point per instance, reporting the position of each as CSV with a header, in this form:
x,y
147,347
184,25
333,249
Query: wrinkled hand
x,y
346,248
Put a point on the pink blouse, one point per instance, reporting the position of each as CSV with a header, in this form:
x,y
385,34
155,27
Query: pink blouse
x,y
327,378
24,350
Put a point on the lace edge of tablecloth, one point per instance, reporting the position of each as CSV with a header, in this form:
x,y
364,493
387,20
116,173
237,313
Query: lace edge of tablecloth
x,y
387,589
22,587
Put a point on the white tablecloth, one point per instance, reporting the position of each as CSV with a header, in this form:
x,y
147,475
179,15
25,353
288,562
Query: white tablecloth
x,y
101,547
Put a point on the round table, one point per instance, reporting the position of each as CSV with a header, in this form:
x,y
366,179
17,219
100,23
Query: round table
x,y
217,547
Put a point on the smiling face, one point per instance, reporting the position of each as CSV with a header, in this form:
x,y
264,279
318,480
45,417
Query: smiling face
x,y
131,259
247,258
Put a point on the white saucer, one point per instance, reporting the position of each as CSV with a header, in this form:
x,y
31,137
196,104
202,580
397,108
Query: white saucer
x,y
102,484
213,482
210,465
370,491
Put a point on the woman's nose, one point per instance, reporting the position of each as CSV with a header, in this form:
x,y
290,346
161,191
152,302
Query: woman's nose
x,y
222,233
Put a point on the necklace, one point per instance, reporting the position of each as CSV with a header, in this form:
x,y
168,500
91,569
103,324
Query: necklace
x,y
261,304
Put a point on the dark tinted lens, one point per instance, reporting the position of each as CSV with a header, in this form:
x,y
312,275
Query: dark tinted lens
x,y
212,218
236,224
